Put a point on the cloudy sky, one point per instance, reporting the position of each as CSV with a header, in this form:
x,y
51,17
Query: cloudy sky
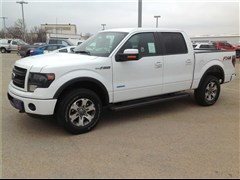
x,y
196,17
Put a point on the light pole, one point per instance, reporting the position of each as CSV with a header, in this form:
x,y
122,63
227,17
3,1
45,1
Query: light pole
x,y
157,20
24,28
139,13
103,26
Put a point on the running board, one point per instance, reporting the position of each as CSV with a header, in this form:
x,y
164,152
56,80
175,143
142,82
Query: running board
x,y
146,101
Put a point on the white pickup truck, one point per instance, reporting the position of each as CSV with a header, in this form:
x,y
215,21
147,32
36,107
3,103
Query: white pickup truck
x,y
117,69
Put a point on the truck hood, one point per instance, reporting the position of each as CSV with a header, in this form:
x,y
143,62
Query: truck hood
x,y
54,60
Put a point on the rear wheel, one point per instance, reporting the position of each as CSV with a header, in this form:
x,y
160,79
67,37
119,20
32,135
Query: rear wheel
x,y
79,111
208,91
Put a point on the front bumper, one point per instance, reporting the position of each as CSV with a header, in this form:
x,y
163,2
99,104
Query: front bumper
x,y
32,106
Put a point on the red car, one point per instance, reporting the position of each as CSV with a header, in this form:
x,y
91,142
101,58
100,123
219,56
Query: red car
x,y
227,46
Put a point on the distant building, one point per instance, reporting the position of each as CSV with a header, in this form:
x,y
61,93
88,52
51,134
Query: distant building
x,y
68,29
63,31
232,39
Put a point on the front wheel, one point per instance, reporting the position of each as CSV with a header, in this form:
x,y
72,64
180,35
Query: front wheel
x,y
79,111
208,91
3,50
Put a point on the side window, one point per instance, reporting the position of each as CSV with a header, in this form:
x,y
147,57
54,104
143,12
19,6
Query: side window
x,y
52,41
144,42
174,43
228,45
221,44
43,48
72,49
14,43
64,42
52,48
63,50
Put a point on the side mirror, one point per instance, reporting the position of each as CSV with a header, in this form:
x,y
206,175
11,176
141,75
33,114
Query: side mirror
x,y
128,55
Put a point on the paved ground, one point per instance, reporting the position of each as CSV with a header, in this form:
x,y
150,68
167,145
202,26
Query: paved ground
x,y
177,139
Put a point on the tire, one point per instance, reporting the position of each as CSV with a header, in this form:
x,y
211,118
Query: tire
x,y
3,50
79,111
237,53
208,92
27,54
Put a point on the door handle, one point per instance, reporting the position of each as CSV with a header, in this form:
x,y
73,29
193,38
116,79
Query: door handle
x,y
189,61
158,65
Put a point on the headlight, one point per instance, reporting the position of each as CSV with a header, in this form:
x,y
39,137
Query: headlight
x,y
39,80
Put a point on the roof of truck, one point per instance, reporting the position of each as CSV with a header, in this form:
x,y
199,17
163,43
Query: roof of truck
x,y
129,30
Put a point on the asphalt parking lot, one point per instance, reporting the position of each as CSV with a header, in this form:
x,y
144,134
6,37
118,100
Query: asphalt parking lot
x,y
176,139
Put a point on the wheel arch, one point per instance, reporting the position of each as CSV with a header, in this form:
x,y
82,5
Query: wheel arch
x,y
87,83
216,71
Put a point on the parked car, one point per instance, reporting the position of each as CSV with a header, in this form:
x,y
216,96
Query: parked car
x,y
223,45
63,41
68,49
204,46
38,44
8,45
45,49
227,46
118,69
24,50
66,41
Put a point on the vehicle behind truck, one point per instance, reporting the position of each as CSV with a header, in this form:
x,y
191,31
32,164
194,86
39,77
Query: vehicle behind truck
x,y
222,45
8,45
25,50
118,69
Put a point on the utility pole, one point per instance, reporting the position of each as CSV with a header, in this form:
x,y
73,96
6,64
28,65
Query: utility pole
x,y
4,23
103,26
4,26
24,27
157,20
139,13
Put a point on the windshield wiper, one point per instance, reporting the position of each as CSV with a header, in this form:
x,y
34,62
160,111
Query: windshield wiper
x,y
83,52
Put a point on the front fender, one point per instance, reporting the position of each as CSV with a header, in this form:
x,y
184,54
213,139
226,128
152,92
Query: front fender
x,y
62,80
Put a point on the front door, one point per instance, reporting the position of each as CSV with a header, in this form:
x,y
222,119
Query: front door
x,y
140,78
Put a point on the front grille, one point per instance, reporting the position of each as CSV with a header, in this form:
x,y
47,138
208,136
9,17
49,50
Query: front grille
x,y
18,76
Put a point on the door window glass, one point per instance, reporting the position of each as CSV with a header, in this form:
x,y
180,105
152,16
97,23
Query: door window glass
x,y
174,43
144,42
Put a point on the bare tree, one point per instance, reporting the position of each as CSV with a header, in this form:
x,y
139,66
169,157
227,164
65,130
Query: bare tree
x,y
37,34
16,30
2,34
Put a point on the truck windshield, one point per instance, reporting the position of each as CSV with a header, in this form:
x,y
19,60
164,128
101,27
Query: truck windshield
x,y
102,44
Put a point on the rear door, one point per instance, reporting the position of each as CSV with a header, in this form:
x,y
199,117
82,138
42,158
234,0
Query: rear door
x,y
178,62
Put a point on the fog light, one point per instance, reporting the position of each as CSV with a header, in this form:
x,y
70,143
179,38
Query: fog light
x,y
32,106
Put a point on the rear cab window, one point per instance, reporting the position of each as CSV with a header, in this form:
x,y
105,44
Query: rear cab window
x,y
173,43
